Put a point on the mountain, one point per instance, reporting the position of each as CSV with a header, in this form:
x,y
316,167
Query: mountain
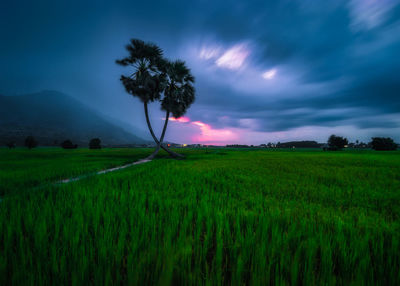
x,y
52,117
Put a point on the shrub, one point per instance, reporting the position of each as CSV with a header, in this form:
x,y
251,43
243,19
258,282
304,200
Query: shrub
x,y
67,144
330,148
10,145
95,143
336,142
383,144
30,142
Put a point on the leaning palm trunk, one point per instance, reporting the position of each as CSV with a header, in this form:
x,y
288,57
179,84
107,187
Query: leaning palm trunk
x,y
159,142
161,139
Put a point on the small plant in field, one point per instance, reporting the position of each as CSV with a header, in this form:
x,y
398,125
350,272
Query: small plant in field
x,y
30,142
383,144
67,144
11,145
337,142
95,143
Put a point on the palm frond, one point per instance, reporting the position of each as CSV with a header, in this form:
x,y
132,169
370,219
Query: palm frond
x,y
146,80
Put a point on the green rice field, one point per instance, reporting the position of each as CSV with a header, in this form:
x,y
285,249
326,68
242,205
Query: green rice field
x,y
23,169
219,217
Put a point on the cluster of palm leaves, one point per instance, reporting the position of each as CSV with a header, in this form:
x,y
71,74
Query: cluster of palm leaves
x,y
154,78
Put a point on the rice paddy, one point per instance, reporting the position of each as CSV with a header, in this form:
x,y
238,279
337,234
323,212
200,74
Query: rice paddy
x,y
22,169
222,216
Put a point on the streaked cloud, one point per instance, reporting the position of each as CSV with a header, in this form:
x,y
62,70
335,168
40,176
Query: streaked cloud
x,y
207,53
368,14
234,57
264,69
269,74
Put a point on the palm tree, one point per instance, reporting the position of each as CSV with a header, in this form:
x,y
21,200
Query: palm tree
x,y
179,93
153,76
146,79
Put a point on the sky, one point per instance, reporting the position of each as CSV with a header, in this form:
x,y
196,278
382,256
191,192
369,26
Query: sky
x,y
266,71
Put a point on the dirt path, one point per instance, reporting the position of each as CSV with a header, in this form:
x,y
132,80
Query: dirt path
x,y
69,180
65,181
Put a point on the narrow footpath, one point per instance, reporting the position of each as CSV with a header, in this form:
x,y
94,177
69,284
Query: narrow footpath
x,y
65,181
74,179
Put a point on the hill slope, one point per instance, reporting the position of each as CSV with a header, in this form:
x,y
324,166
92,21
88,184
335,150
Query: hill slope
x,y
52,117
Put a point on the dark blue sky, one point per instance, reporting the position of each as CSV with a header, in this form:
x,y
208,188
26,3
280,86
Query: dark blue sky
x,y
265,70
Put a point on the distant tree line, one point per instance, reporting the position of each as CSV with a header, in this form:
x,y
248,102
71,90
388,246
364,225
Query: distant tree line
x,y
378,143
299,144
30,142
334,143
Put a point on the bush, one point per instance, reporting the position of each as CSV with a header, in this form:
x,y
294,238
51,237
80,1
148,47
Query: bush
x,y
10,145
330,148
67,144
30,142
383,144
95,143
336,142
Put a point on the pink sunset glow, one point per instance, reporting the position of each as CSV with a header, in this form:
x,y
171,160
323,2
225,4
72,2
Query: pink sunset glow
x,y
208,134
215,136
182,119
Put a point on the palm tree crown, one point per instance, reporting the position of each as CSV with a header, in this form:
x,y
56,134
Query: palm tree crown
x,y
146,81
179,92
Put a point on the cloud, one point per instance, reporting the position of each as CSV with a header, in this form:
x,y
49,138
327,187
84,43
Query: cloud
x,y
207,53
369,14
234,57
214,136
262,68
208,134
269,74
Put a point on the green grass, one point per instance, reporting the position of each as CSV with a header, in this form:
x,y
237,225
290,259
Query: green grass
x,y
218,217
22,169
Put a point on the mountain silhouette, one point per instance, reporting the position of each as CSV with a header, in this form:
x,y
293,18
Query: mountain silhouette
x,y
52,117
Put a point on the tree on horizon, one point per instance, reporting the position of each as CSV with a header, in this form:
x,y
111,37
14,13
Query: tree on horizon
x,y
337,142
30,142
383,144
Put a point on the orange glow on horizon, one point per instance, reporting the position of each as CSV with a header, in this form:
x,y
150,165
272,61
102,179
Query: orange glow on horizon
x,y
182,119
